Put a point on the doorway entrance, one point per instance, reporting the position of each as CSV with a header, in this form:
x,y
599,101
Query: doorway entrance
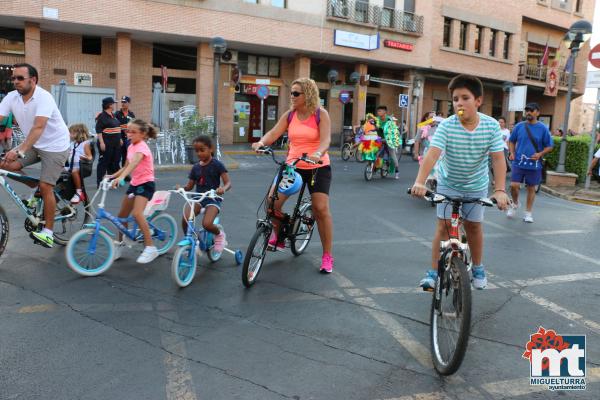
x,y
247,112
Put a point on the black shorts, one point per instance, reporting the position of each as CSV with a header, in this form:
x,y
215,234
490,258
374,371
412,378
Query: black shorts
x,y
145,189
321,181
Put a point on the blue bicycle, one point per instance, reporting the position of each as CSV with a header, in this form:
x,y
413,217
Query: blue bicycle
x,y
90,252
185,260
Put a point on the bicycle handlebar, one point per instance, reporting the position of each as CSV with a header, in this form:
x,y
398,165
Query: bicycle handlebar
x,y
304,157
188,196
440,198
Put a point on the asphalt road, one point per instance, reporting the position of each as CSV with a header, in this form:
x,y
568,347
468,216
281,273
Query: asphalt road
x,y
359,333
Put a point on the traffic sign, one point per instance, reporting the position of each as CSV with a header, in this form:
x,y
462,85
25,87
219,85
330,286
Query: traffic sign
x,y
593,79
594,56
403,101
344,97
262,92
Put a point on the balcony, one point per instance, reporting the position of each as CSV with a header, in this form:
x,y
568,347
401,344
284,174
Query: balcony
x,y
362,13
538,73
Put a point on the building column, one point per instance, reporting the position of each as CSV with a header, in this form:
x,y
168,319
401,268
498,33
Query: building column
x,y
455,33
204,79
302,67
485,41
470,45
359,108
33,54
123,64
499,43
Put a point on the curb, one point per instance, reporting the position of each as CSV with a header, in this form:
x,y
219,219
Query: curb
x,y
229,162
575,199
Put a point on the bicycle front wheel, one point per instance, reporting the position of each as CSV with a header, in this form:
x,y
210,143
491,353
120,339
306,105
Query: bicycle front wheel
x,y
303,229
69,219
89,254
255,255
164,232
346,152
369,171
183,267
358,155
4,230
451,317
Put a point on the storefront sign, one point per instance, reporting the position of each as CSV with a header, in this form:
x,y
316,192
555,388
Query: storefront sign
x,y
394,44
355,40
252,89
82,79
263,81
345,97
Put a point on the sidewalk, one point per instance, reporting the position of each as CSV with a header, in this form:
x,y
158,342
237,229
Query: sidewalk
x,y
577,193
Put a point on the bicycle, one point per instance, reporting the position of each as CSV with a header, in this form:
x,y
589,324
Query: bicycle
x,y
90,252
185,260
381,164
350,150
451,302
297,228
67,215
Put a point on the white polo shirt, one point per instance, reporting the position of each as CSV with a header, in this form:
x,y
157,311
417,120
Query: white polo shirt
x,y
55,137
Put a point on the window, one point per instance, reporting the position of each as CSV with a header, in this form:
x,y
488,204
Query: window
x,y
506,50
409,6
361,8
251,1
12,41
493,37
447,31
535,53
463,36
91,45
578,6
323,95
318,72
478,38
339,8
387,13
250,64
181,85
175,57
279,3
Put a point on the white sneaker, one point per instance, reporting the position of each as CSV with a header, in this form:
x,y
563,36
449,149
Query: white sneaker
x,y
512,211
397,176
119,246
528,217
478,278
148,255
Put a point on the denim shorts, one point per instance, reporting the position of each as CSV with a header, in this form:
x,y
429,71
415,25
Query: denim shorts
x,y
211,202
532,177
471,212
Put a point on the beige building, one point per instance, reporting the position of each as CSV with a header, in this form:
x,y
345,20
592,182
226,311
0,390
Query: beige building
x,y
581,117
410,47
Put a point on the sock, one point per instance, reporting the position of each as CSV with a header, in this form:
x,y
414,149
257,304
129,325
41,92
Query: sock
x,y
79,191
477,266
47,231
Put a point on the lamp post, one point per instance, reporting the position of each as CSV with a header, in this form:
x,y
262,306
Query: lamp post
x,y
219,45
577,35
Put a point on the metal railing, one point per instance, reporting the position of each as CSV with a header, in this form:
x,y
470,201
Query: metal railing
x,y
538,73
361,12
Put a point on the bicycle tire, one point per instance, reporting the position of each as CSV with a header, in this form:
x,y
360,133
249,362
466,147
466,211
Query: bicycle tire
x,y
358,156
213,255
183,266
345,153
260,239
170,229
73,224
4,230
385,169
89,264
368,171
449,365
302,222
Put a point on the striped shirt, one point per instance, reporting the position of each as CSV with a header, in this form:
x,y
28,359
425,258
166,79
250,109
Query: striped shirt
x,y
464,164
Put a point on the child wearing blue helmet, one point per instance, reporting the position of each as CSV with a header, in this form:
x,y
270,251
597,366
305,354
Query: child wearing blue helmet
x,y
207,174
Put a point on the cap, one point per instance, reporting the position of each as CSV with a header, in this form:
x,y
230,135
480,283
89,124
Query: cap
x,y
532,106
107,100
125,99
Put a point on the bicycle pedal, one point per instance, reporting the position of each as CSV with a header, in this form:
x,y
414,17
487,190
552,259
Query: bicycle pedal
x,y
428,290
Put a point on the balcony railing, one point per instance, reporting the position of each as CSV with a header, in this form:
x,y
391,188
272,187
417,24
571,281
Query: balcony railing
x,y
538,73
361,12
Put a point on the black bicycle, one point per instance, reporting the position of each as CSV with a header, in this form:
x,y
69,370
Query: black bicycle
x,y
295,230
450,314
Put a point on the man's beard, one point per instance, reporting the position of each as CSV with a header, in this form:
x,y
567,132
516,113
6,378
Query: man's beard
x,y
529,117
24,91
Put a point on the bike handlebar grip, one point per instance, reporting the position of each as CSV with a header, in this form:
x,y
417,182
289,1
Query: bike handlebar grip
x,y
20,154
409,190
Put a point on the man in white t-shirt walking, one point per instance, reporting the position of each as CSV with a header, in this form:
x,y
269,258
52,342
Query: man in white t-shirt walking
x,y
46,139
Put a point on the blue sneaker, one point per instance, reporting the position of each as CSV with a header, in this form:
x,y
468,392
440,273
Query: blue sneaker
x,y
478,277
428,283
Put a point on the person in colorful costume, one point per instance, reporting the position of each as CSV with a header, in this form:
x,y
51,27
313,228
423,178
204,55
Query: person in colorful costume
x,y
371,142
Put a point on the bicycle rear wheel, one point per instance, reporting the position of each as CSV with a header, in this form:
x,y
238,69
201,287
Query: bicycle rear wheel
x,y
358,155
183,267
4,230
65,228
345,152
255,255
303,229
385,169
369,171
450,317
165,232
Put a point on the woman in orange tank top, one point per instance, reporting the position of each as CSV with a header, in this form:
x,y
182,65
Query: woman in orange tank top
x,y
309,131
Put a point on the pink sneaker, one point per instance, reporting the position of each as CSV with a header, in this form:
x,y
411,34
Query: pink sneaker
x,y
274,245
220,241
326,263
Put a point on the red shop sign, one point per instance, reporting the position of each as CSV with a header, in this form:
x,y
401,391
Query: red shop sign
x,y
394,44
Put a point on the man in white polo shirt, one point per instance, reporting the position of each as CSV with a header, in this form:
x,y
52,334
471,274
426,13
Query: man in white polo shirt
x,y
46,139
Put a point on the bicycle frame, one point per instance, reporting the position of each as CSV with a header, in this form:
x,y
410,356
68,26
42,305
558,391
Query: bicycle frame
x,y
204,237
15,197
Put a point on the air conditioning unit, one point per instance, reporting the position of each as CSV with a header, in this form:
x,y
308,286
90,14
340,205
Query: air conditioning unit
x,y
229,57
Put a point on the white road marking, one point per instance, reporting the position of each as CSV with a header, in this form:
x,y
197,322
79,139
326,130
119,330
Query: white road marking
x,y
549,280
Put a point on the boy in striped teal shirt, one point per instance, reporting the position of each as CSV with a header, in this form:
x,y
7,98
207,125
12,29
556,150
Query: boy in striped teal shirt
x,y
466,141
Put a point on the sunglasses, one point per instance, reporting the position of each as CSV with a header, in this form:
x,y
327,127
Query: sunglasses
x,y
296,94
19,78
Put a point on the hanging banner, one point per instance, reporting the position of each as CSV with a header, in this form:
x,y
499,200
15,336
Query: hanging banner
x,y
517,98
552,79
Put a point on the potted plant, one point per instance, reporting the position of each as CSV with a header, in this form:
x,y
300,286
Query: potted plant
x,y
191,128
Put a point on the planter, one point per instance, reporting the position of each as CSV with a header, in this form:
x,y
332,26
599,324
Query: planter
x,y
554,179
190,154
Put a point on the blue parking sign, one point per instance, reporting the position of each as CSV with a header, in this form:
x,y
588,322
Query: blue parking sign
x,y
403,101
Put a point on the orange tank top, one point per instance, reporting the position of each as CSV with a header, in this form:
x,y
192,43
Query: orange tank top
x,y
304,137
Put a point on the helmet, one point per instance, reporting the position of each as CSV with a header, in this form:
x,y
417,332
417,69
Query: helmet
x,y
290,184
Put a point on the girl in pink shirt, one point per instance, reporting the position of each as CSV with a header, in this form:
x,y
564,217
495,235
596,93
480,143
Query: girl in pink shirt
x,y
140,165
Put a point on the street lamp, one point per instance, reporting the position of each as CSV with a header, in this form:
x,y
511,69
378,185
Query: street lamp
x,y
219,45
577,35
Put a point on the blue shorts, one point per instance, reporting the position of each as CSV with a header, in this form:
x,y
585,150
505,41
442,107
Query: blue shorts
x,y
211,203
471,212
145,189
532,177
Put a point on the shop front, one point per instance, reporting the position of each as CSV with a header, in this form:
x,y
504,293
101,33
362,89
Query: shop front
x,y
247,111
